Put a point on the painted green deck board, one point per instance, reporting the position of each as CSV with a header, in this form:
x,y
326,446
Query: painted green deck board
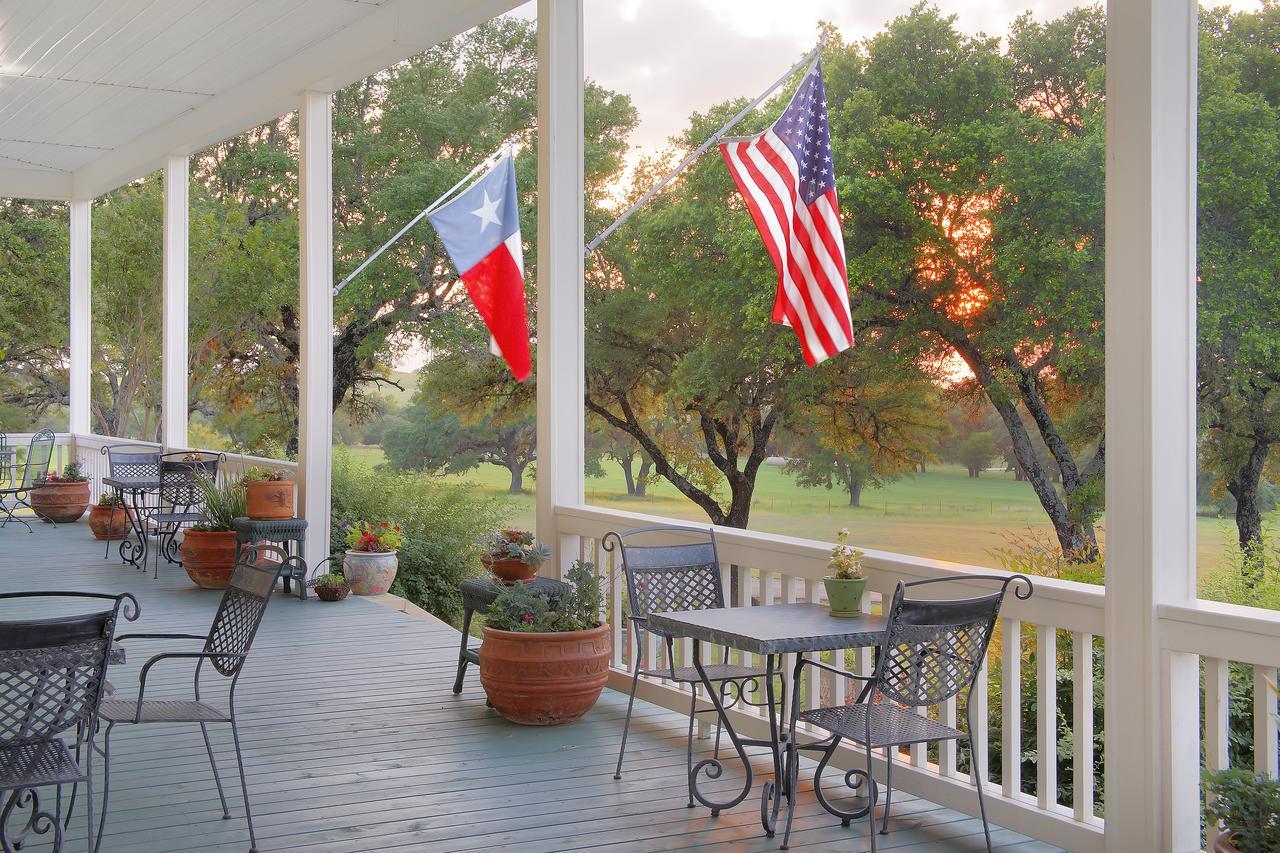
x,y
354,742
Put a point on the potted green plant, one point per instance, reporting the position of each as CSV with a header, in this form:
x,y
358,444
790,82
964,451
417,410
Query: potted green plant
x,y
109,518
847,582
209,548
268,493
1248,805
370,562
512,555
545,654
331,587
64,497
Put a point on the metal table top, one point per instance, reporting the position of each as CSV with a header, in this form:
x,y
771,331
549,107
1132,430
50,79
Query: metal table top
x,y
773,628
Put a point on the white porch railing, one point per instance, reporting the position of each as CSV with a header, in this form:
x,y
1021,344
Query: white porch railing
x,y
1063,619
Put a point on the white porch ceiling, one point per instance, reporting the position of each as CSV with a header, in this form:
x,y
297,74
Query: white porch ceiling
x,y
94,94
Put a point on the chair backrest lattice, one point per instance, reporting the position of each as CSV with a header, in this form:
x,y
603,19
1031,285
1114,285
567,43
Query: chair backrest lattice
x,y
132,460
242,608
39,458
934,649
180,476
670,577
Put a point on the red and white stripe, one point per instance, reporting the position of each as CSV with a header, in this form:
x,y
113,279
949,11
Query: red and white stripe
x,y
804,242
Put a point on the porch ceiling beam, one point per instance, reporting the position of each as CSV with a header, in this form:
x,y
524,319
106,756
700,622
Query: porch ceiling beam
x,y
394,32
175,361
1152,695
46,184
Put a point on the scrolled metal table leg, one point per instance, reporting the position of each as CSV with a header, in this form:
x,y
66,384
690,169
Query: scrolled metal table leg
x,y
793,752
714,769
131,551
775,789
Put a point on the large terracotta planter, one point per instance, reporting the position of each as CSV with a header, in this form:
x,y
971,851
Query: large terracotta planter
x,y
544,679
269,499
209,556
60,502
509,571
109,522
370,572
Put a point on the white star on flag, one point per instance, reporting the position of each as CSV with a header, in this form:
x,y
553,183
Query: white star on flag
x,y
488,212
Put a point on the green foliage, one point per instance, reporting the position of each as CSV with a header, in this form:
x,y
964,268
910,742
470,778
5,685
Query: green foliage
x,y
110,498
846,561
512,544
261,473
1248,804
223,503
441,524
331,579
520,607
1250,575
1036,552
72,472
378,537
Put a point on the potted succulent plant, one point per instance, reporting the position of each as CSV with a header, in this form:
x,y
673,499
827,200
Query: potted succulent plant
x,y
545,655
109,518
512,555
331,587
209,548
1248,805
268,493
62,497
846,583
370,562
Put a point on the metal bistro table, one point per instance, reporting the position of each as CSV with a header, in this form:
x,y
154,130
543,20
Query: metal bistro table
x,y
134,490
771,631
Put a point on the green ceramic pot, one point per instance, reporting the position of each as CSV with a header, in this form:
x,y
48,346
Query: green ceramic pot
x,y
845,596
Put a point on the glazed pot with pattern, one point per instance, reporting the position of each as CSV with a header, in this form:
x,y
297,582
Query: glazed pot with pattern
x,y
60,501
209,557
544,679
370,572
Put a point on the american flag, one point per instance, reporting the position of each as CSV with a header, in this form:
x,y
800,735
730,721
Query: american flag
x,y
787,178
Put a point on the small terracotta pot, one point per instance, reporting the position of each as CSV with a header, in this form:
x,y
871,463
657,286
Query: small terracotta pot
x,y
109,522
370,572
60,502
209,556
269,499
509,570
544,679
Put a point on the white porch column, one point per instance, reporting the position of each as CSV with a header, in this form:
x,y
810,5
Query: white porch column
x,y
315,333
80,329
560,270
175,384
1152,728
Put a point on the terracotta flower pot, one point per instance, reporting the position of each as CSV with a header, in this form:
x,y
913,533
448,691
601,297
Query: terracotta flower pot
x,y
109,522
269,499
370,572
60,501
509,570
544,679
209,556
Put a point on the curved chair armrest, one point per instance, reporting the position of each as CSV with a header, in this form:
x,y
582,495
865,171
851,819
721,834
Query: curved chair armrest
x,y
835,669
123,637
155,659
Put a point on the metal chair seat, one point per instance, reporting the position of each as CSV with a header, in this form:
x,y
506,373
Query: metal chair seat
x,y
174,517
891,725
161,711
31,765
715,672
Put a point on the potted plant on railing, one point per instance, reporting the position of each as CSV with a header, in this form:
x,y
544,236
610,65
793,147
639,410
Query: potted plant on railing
x,y
64,497
545,655
269,493
512,555
209,548
109,518
1248,805
846,583
370,562
331,587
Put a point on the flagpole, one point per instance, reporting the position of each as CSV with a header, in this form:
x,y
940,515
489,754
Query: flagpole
x,y
711,140
425,211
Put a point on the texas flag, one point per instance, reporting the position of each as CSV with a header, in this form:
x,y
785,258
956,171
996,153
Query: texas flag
x,y
480,228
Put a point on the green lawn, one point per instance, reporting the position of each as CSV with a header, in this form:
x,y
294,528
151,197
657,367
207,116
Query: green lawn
x,y
943,513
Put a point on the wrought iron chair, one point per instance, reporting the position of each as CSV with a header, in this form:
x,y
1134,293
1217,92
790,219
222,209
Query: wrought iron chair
x,y
13,496
671,577
180,497
52,679
6,459
129,460
226,647
933,649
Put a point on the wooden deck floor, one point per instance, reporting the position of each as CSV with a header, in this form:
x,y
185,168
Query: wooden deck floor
x,y
354,742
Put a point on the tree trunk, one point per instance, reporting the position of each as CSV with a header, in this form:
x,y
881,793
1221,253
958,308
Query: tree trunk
x,y
642,479
625,465
517,479
855,490
1243,486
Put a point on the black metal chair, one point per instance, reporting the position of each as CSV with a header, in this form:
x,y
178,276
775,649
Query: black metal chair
x,y
676,577
13,495
52,680
180,498
933,650
226,647
129,460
